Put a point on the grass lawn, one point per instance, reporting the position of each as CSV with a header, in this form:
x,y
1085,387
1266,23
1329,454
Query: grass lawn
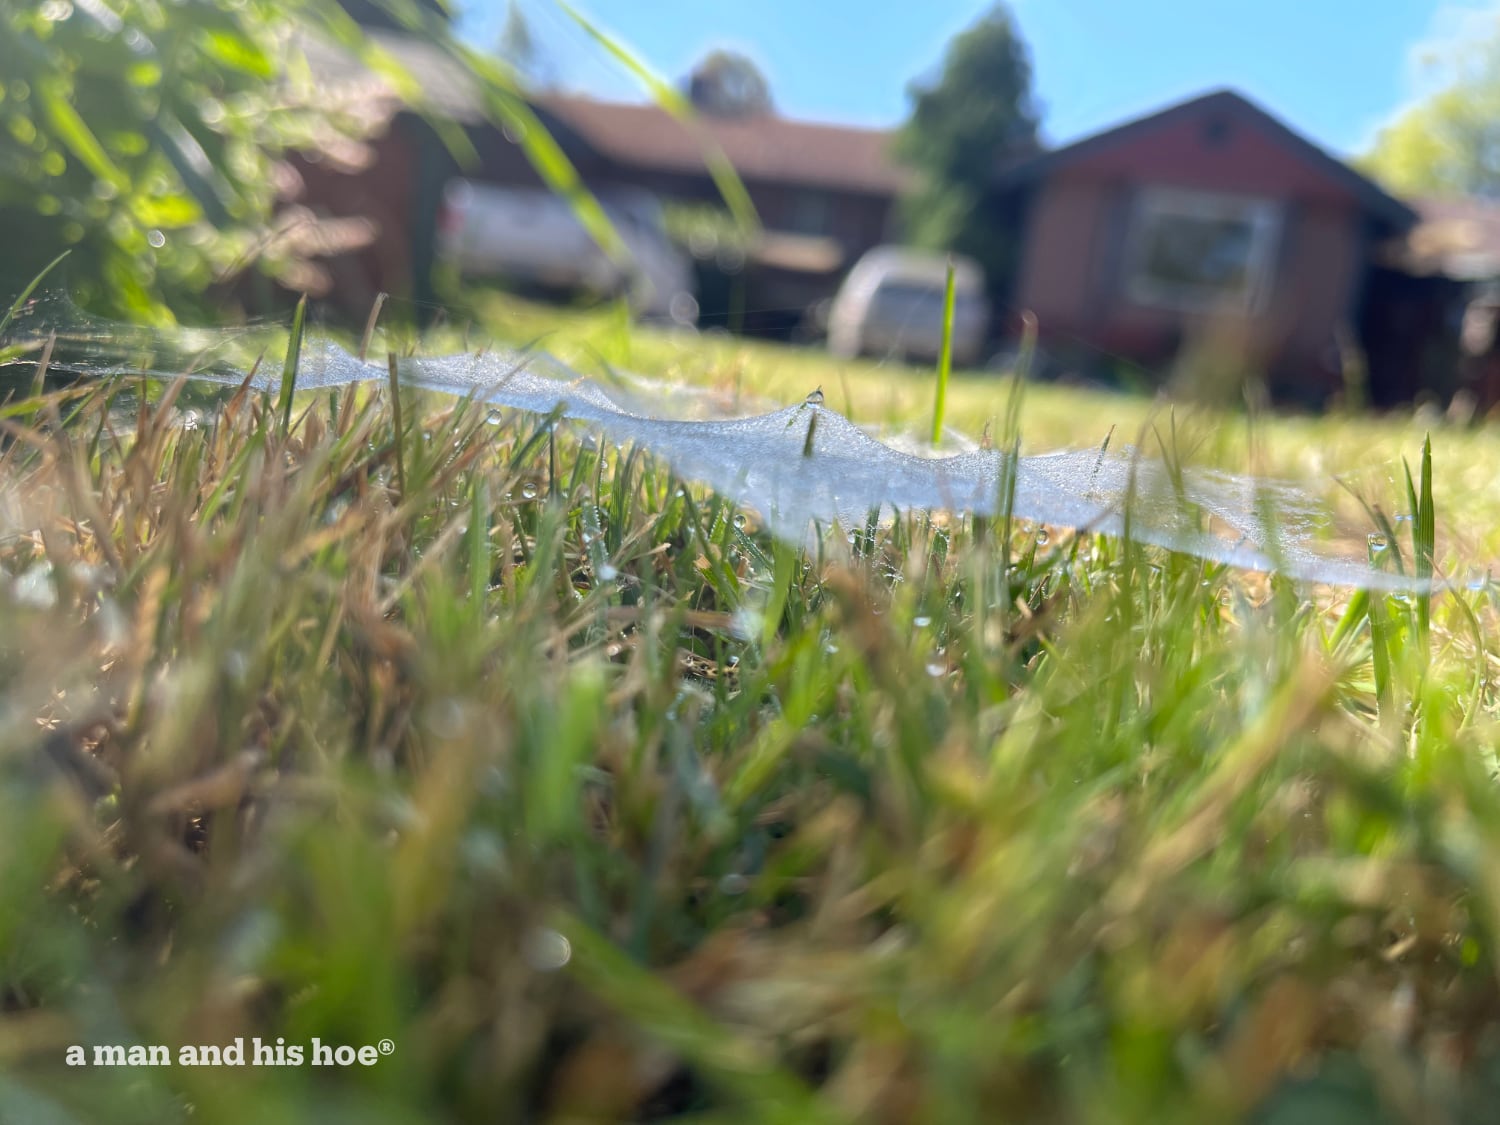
x,y
525,767
1318,452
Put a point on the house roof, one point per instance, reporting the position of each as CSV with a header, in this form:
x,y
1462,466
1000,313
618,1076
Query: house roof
x,y
1457,237
761,147
1370,195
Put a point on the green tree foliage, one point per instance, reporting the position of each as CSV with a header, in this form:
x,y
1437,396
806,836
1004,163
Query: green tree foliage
x,y
143,137
729,84
961,126
1447,143
518,47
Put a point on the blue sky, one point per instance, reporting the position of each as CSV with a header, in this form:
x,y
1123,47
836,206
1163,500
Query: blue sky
x,y
1333,69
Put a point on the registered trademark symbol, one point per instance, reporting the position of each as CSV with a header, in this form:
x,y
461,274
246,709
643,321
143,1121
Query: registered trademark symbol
x,y
386,1047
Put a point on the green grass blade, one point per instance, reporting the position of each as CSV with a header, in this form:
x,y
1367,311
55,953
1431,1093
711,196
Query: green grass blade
x,y
399,431
81,141
501,98
725,178
1357,610
1010,428
663,1013
15,306
289,367
945,359
1424,532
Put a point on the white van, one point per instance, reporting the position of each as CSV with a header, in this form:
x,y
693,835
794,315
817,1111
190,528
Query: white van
x,y
530,234
892,304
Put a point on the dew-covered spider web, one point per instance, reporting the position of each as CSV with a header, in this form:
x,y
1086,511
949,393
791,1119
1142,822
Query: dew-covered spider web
x,y
797,468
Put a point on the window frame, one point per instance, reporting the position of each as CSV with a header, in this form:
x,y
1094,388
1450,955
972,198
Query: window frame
x,y
814,204
1153,205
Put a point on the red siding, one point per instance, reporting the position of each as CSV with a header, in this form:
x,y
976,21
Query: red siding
x,y
1245,159
1072,267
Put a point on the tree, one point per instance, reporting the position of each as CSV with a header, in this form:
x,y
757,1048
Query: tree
x,y
729,84
518,47
978,110
1448,143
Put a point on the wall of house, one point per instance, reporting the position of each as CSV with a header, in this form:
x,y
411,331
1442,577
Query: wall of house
x,y
766,301
1317,286
385,193
400,192
857,221
1219,150
1073,267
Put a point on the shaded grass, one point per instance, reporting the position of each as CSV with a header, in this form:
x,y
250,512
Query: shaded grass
x,y
598,804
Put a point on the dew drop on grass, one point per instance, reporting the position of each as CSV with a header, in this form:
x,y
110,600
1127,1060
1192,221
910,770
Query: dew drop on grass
x,y
546,951
734,884
236,665
830,648
1041,536
921,622
936,668
739,521
816,398
446,718
483,852
113,625
607,573
528,491
34,588
1378,542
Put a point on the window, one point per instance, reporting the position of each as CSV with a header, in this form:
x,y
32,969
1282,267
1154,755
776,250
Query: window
x,y
1190,250
811,211
911,302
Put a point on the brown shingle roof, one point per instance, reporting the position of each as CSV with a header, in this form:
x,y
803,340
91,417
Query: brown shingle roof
x,y
763,147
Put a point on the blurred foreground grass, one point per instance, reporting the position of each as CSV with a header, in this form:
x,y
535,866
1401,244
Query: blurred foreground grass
x,y
598,805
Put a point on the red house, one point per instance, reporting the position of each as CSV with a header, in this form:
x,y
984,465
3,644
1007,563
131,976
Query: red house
x,y
1211,223
1207,242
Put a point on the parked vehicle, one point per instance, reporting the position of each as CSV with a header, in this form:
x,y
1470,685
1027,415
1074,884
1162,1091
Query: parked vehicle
x,y
532,235
892,304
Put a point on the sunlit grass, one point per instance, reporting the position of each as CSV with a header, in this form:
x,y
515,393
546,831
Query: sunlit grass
x,y
447,728
1336,456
